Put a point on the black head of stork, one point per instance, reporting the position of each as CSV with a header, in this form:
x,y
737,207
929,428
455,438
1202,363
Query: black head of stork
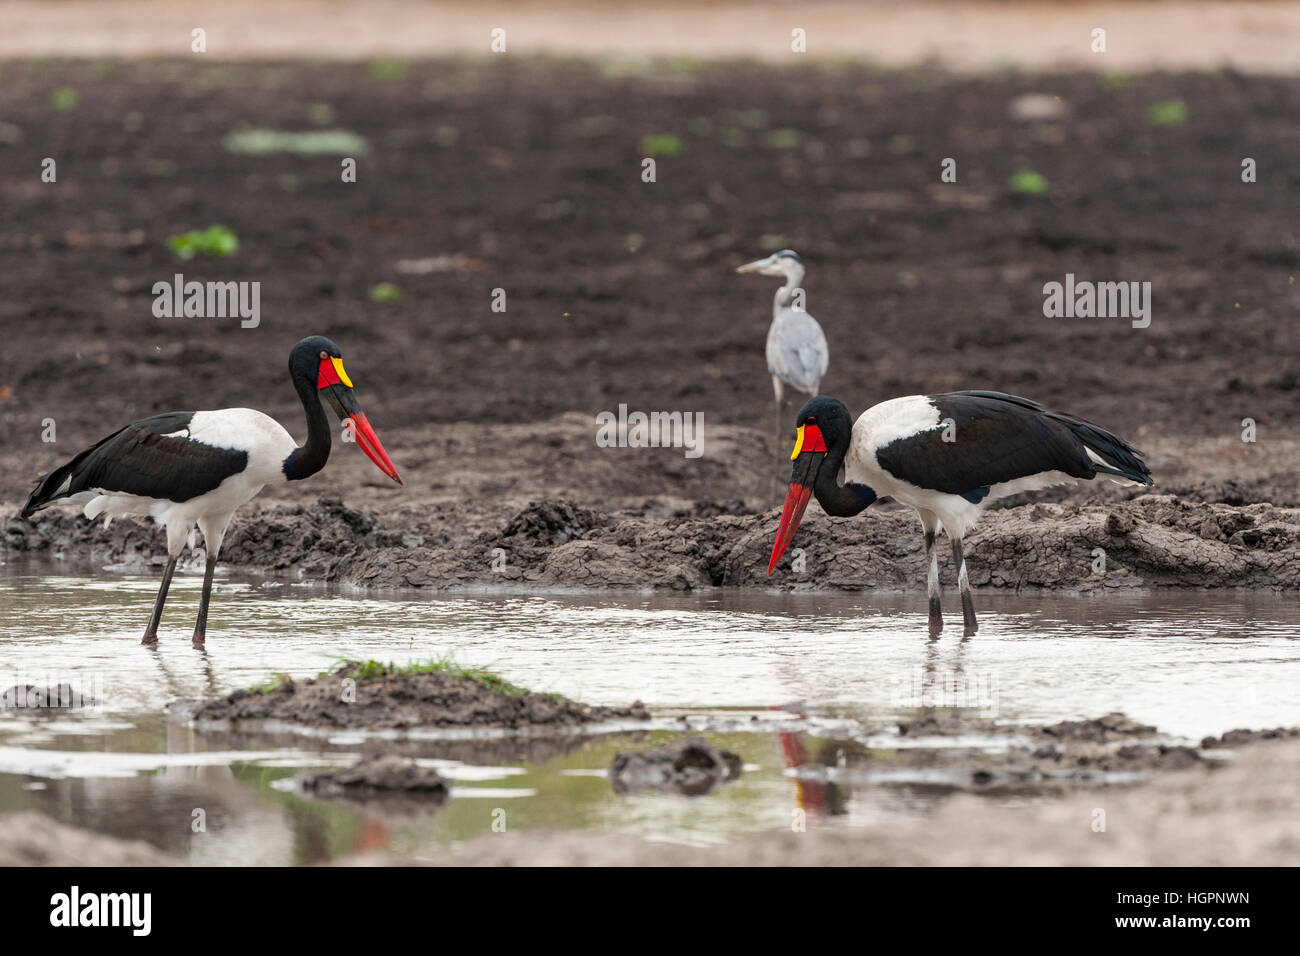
x,y
823,433
316,367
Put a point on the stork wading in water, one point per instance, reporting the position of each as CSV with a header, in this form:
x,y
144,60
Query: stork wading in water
x,y
947,456
797,354
188,468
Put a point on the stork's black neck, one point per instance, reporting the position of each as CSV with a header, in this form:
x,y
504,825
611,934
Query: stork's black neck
x,y
841,501
306,460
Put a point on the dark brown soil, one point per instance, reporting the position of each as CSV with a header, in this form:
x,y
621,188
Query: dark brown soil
x,y
524,175
394,700
690,766
380,776
1058,758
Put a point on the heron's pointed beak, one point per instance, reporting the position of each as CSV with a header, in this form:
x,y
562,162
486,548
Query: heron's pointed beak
x,y
370,444
809,453
755,266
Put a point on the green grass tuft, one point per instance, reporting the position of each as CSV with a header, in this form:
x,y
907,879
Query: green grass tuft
x,y
65,98
212,241
1029,183
1168,113
370,670
661,144
321,142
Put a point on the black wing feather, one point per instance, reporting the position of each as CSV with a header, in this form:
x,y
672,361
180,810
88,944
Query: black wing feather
x,y
1000,438
146,459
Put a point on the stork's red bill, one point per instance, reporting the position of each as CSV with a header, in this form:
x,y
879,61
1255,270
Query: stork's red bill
x,y
808,455
334,384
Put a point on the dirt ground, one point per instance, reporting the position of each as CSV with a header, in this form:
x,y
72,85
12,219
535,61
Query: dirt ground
x,y
524,176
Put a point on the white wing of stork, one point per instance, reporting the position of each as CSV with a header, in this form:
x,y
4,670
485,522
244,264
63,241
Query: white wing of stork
x,y
196,468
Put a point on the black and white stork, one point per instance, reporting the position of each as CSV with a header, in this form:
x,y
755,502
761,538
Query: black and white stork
x,y
196,468
947,456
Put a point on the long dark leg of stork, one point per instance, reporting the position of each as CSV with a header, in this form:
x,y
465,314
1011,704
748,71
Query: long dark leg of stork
x,y
201,625
214,529
151,632
963,582
779,390
176,534
932,582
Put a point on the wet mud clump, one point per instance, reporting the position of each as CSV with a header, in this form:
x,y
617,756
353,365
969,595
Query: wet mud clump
x,y
379,776
1113,749
1113,726
372,696
690,766
1236,738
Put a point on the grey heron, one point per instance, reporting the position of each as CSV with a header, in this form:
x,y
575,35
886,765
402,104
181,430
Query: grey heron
x,y
797,354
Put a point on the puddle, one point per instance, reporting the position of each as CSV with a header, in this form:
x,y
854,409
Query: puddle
x,y
786,681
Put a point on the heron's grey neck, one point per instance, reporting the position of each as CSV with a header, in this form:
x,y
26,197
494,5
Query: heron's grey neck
x,y
785,294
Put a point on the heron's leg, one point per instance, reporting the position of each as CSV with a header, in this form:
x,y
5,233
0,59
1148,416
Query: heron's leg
x,y
932,583
151,632
779,391
963,582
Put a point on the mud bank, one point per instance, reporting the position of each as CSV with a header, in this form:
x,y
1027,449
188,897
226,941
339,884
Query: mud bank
x,y
356,696
1239,812
1035,761
1151,541
690,766
379,776
1183,807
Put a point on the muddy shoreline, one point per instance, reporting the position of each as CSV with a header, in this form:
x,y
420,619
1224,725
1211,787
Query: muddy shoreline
x,y
1151,541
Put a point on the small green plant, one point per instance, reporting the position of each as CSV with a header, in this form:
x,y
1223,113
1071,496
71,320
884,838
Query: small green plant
x,y
1168,113
389,69
65,98
320,114
1026,182
321,142
212,241
373,670
661,144
386,292
271,686
1118,80
782,138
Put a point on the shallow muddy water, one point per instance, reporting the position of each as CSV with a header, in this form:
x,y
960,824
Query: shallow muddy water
x,y
786,681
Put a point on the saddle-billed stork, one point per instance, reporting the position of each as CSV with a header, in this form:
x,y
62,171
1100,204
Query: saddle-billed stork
x,y
188,468
947,456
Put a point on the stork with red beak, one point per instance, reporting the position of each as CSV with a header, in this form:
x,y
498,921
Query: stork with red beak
x,y
196,468
947,456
